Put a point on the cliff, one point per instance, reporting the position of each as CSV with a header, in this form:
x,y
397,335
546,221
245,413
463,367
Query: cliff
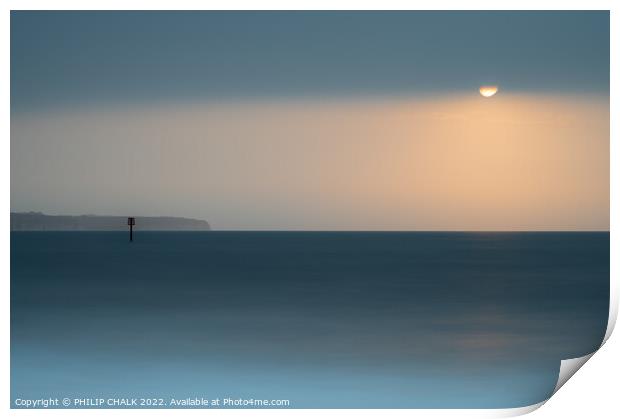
x,y
36,221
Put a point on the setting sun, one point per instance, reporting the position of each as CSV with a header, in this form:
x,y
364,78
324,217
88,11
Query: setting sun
x,y
488,91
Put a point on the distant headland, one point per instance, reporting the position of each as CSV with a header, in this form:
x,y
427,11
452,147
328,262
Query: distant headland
x,y
37,221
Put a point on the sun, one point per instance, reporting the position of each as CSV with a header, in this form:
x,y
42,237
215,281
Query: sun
x,y
488,91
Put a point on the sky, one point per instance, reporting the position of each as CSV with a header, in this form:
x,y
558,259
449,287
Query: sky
x,y
314,120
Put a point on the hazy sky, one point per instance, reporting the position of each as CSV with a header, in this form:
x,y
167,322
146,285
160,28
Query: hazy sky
x,y
314,120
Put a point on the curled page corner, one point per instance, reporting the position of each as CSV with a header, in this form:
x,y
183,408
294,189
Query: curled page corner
x,y
518,411
568,367
613,314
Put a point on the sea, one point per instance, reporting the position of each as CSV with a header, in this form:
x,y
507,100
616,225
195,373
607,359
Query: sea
x,y
303,319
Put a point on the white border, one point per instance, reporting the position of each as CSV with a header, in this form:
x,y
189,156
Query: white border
x,y
574,404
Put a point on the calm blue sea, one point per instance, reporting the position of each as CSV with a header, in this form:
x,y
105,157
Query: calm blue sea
x,y
356,320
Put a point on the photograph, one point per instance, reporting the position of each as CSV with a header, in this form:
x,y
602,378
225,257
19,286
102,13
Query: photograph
x,y
306,209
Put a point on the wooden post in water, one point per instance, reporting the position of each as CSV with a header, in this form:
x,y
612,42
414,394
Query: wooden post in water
x,y
131,222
